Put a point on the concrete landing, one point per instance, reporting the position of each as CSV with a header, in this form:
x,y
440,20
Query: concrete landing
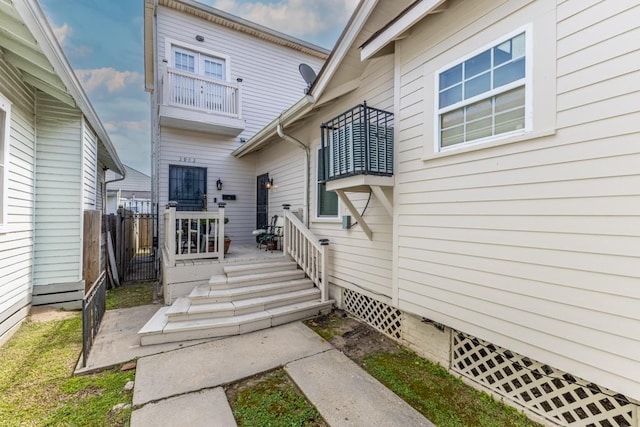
x,y
346,395
204,408
220,362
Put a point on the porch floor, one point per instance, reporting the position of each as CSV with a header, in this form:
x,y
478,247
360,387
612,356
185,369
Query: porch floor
x,y
238,253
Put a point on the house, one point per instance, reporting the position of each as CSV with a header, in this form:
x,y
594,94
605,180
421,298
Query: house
x,y
476,174
132,191
214,79
53,154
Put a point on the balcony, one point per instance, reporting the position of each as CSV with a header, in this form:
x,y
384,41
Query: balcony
x,y
195,102
357,149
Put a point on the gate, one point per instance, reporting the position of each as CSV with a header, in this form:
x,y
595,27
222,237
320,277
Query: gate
x,y
136,250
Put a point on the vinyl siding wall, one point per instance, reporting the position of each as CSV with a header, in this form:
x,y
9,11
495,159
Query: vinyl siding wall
x,y
271,83
59,201
89,166
356,262
532,245
16,244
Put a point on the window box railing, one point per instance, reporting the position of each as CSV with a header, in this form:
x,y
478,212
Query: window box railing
x,y
202,93
357,142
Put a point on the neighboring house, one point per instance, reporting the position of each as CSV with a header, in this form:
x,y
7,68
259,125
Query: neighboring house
x,y
215,79
134,191
491,184
53,154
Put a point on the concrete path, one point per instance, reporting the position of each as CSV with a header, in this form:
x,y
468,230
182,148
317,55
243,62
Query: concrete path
x,y
118,341
346,395
182,387
220,362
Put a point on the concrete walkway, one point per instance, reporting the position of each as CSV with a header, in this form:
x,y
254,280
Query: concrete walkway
x,y
181,383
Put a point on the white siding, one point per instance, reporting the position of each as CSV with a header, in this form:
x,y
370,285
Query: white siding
x,y
532,245
356,262
89,166
16,245
237,176
58,254
271,83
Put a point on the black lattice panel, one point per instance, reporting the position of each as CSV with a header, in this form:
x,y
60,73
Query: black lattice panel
x,y
384,318
554,394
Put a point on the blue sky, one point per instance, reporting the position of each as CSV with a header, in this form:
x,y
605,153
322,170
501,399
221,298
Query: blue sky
x,y
103,42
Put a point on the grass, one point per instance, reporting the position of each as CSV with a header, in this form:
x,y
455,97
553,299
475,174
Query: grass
x,y
130,296
37,386
271,400
438,395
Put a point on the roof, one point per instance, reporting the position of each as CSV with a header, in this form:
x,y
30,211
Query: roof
x,y
134,181
222,18
31,46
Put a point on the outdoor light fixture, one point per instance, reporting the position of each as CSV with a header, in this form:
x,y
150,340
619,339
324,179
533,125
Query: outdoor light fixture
x,y
269,184
200,38
219,184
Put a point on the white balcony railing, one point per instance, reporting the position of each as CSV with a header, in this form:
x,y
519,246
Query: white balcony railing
x,y
310,253
193,235
206,94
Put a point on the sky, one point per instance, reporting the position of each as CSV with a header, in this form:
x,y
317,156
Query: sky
x,y
103,42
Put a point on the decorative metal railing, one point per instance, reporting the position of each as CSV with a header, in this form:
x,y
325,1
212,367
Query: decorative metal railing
x,y
93,308
309,252
193,235
357,142
202,93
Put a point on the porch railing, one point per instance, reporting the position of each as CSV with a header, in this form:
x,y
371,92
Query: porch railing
x,y
202,93
193,235
311,253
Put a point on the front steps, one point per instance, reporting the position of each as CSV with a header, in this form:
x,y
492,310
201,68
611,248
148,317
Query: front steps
x,y
244,299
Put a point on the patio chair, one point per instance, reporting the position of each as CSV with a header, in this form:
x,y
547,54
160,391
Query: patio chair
x,y
270,235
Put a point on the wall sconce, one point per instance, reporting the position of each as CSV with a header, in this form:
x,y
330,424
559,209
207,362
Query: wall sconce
x,y
269,184
219,184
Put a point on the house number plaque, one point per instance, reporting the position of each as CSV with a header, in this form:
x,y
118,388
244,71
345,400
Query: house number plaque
x,y
187,159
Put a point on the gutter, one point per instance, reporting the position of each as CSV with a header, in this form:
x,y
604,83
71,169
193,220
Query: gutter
x,y
104,190
307,167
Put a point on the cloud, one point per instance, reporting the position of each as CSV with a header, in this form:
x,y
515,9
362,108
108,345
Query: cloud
x,y
62,32
302,18
109,78
127,126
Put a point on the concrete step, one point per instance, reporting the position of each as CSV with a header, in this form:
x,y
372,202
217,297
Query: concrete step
x,y
202,295
185,311
263,267
223,282
234,325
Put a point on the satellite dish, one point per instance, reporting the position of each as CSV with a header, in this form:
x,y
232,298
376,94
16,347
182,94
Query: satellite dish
x,y
308,75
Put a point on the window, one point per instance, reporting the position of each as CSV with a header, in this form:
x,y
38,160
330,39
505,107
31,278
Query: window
x,y
5,125
326,201
188,187
484,96
198,63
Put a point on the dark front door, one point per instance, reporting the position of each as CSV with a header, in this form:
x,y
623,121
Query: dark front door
x,y
188,187
262,201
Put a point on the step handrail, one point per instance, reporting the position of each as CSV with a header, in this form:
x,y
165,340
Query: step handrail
x,y
309,252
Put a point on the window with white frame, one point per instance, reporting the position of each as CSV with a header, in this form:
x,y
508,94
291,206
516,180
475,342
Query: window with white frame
x,y
326,201
5,125
198,63
484,96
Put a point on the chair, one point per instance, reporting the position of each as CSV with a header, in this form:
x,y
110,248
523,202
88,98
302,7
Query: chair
x,y
270,235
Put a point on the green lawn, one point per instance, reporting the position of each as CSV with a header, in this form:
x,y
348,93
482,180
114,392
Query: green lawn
x,y
130,296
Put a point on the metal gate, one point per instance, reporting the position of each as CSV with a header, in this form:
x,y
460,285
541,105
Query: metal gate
x,y
136,247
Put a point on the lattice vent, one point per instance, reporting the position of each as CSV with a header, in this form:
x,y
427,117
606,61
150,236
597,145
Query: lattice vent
x,y
384,318
554,394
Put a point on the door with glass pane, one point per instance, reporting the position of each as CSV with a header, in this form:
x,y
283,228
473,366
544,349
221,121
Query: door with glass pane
x,y
184,86
213,92
188,187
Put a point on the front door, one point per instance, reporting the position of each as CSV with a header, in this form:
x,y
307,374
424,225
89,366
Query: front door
x,y
262,201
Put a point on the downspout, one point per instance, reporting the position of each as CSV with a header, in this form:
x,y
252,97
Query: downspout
x,y
307,167
104,193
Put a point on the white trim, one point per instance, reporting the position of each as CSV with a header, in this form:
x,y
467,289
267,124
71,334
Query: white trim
x,y
405,22
170,43
527,82
316,217
5,107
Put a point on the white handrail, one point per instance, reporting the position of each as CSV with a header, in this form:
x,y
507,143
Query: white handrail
x,y
193,235
310,253
203,93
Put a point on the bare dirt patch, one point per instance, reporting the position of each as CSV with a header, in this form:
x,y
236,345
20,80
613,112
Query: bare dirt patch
x,y
353,337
